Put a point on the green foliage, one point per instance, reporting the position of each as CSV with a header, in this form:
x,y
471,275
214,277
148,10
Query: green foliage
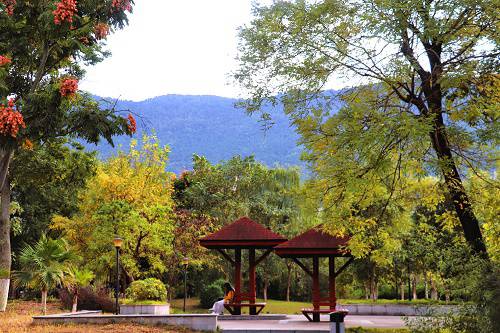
x,y
210,294
42,54
147,290
417,70
130,196
43,265
46,181
239,187
78,278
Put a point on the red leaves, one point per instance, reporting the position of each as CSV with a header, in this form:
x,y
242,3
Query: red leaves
x,y
4,60
9,6
101,31
132,125
68,87
122,5
10,120
64,11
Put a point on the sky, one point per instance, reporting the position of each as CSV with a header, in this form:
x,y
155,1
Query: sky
x,y
172,47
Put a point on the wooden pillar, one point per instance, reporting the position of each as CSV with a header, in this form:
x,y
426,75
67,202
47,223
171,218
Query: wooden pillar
x,y
316,291
331,283
237,276
251,280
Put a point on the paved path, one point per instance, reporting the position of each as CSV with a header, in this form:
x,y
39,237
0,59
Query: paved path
x,y
296,323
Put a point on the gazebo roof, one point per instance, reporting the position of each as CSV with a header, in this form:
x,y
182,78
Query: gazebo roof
x,y
314,243
242,233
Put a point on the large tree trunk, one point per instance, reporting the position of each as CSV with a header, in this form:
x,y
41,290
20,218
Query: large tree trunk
x,y
454,184
432,108
44,301
5,254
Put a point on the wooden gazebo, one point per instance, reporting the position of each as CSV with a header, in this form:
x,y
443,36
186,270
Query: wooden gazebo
x,y
316,244
243,234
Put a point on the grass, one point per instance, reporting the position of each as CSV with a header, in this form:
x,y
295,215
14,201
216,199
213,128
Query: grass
x,y
283,307
17,319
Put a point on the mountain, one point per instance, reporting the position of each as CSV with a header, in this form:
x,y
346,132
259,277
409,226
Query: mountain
x,y
210,126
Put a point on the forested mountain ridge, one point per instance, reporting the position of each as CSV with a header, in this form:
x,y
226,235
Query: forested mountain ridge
x,y
210,126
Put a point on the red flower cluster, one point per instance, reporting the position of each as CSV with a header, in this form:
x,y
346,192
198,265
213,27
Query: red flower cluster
x,y
4,61
65,11
122,5
101,31
132,124
69,86
10,120
9,6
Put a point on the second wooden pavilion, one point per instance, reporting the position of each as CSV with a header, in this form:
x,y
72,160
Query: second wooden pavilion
x,y
315,244
243,234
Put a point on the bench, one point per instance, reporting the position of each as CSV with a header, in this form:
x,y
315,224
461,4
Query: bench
x,y
244,301
317,310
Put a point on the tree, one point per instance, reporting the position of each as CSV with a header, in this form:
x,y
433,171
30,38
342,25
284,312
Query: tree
x,y
46,179
43,47
43,266
424,98
130,196
242,186
75,279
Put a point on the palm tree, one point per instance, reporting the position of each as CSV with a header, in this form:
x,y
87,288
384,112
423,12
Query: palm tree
x,y
76,279
43,266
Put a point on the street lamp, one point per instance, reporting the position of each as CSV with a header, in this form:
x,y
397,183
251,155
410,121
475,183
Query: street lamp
x,y
117,242
185,263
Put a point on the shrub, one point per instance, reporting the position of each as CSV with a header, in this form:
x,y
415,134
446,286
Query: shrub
x,y
147,290
88,299
210,294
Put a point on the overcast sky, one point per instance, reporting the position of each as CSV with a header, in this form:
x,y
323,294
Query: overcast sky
x,y
172,47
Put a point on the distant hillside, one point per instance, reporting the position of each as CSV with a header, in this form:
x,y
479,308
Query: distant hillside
x,y
210,126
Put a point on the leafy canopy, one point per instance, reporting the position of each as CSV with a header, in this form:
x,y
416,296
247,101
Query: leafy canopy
x,y
130,196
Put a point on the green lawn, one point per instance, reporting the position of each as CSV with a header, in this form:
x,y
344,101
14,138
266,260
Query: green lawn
x,y
284,307
276,306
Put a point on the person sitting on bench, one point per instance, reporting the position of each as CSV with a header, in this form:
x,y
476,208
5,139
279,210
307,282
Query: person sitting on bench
x,y
218,307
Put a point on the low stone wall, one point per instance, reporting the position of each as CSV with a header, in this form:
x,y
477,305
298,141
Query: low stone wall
x,y
163,309
396,309
200,322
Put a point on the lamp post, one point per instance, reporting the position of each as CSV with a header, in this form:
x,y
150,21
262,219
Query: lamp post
x,y
117,242
185,263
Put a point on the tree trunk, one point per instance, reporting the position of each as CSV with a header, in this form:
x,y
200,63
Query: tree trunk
x,y
5,251
402,289
414,285
432,108
75,303
367,290
266,285
373,288
44,301
426,286
288,280
453,181
434,292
